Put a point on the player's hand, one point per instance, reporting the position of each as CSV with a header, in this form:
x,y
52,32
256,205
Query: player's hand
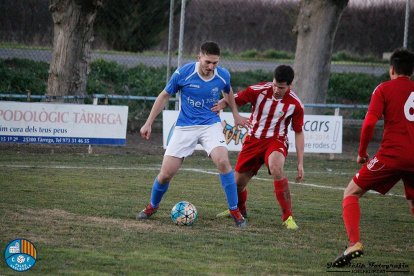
x,y
242,121
362,159
220,105
145,131
301,174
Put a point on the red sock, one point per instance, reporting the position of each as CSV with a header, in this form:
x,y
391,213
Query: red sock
x,y
283,197
351,214
412,211
242,200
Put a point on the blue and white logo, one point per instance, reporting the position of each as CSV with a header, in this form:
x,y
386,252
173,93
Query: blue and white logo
x,y
20,255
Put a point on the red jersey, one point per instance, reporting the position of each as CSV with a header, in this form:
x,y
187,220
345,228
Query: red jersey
x,y
271,117
394,100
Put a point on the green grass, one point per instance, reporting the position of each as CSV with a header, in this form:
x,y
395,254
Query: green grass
x,y
79,211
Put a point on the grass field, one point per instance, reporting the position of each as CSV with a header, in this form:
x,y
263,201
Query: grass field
x,y
79,211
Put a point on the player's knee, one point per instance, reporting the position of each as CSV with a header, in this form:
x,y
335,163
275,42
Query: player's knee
x,y
223,165
164,177
353,190
276,172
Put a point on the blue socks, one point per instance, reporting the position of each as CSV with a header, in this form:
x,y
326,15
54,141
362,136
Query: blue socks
x,y
230,189
157,192
227,180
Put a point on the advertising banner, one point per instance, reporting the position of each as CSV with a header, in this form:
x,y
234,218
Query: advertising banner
x,y
50,123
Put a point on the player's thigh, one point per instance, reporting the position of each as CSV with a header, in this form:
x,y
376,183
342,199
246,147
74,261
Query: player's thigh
x,y
251,157
211,137
376,176
275,157
183,142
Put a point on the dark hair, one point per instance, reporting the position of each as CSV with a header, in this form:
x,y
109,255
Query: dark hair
x,y
284,73
210,48
403,61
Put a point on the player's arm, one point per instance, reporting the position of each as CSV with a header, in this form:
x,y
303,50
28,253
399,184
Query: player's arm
x,y
241,98
300,148
220,105
158,106
238,120
367,132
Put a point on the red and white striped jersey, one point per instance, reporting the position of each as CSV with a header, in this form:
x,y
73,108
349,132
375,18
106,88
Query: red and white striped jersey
x,y
271,117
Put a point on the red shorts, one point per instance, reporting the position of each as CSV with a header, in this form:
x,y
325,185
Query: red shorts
x,y
255,152
376,176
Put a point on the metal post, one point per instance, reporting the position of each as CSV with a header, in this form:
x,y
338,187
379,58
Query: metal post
x,y
181,37
180,47
170,35
407,19
332,155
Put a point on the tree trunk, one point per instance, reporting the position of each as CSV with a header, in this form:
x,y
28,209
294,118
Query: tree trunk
x,y
316,28
73,34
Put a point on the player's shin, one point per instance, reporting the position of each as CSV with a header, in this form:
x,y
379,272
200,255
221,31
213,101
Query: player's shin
x,y
242,198
228,183
351,214
157,192
282,193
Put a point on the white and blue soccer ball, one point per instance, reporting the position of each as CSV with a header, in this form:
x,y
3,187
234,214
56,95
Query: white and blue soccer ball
x,y
184,213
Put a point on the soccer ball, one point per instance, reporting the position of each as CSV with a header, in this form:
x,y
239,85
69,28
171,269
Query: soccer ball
x,y
184,213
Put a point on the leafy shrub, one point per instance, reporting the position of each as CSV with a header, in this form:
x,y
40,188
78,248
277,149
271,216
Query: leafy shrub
x,y
240,80
249,53
22,75
352,88
106,77
273,54
347,56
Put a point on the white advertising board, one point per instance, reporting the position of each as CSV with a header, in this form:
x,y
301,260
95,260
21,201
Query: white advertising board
x,y
323,134
49,123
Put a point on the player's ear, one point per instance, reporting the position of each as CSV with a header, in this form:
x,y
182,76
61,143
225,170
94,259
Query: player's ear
x,y
391,71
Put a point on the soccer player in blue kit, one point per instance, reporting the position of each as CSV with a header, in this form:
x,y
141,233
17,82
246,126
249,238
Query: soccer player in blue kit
x,y
201,84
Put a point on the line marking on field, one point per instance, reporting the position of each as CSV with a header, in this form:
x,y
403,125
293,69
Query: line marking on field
x,y
212,172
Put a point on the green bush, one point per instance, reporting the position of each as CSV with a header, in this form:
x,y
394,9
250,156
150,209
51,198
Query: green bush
x,y
249,54
273,54
347,56
22,76
240,80
107,77
352,88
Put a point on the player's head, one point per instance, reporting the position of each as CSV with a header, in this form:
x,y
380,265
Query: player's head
x,y
210,48
282,79
208,57
402,62
284,73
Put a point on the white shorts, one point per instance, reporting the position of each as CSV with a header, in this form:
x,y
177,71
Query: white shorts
x,y
185,139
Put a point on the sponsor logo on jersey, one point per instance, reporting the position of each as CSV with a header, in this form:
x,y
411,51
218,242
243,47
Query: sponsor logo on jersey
x,y
194,86
195,103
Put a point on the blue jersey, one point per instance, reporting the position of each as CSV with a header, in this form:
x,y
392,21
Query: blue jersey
x,y
198,95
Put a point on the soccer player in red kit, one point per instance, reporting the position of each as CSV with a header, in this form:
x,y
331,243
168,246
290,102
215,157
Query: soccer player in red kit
x,y
394,101
274,107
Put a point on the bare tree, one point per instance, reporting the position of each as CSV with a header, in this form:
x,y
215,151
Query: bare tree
x,y
73,33
316,28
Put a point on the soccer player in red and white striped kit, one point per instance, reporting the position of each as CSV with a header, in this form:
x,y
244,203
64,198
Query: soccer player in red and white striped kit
x,y
274,107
